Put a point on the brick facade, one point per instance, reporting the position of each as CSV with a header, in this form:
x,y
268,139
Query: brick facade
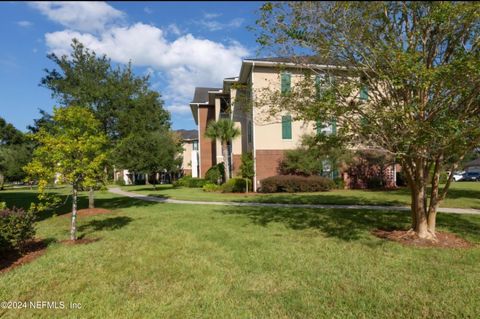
x,y
208,152
267,162
236,163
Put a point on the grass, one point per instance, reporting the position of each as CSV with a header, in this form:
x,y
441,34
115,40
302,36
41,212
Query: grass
x,y
461,195
168,261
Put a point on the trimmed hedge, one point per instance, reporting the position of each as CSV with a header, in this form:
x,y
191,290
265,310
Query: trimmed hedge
x,y
16,228
211,187
234,185
189,181
294,184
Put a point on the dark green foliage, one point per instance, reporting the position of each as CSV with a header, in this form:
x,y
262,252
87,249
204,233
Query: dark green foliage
x,y
188,181
16,228
246,167
300,162
216,174
149,152
235,185
15,152
293,184
211,187
339,183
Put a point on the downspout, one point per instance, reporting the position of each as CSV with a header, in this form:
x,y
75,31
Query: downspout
x,y
199,149
254,152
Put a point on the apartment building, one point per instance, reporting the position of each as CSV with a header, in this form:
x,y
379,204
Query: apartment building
x,y
265,135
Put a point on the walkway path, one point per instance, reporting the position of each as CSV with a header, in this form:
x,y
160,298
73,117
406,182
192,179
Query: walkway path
x,y
118,191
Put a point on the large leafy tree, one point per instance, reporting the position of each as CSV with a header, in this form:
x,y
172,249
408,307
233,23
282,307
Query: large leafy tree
x,y
225,131
122,102
406,80
15,152
73,149
150,153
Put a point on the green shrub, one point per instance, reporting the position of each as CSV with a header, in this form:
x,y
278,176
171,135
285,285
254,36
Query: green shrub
x,y
216,174
120,182
16,228
211,187
339,183
234,185
188,181
294,183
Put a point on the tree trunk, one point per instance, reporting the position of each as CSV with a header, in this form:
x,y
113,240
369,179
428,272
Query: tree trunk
x,y
73,228
421,225
91,198
2,181
225,161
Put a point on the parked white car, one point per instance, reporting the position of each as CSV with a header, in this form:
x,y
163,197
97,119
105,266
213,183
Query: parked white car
x,y
458,176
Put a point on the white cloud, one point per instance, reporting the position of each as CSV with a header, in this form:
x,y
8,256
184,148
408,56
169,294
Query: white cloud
x,y
174,29
214,25
80,15
24,23
211,15
147,10
185,62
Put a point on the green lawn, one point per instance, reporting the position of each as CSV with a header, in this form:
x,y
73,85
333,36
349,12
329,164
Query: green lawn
x,y
174,261
461,195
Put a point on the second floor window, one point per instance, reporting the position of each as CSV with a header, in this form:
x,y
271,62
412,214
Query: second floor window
x,y
285,82
287,127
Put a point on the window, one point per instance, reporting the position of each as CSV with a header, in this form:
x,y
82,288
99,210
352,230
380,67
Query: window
x,y
320,84
328,129
364,93
195,145
286,79
287,127
250,132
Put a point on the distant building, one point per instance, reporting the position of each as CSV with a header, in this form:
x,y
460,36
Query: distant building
x,y
190,152
473,166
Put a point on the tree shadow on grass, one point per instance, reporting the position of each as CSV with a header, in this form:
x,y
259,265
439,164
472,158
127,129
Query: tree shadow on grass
x,y
349,225
23,199
324,198
112,223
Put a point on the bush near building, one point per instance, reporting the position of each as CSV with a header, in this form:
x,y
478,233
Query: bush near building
x,y
294,184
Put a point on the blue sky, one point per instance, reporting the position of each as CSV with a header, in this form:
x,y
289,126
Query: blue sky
x,y
180,44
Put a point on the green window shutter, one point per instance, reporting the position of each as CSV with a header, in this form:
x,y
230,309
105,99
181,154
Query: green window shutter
x,y
250,131
286,79
287,127
364,93
334,126
318,87
319,126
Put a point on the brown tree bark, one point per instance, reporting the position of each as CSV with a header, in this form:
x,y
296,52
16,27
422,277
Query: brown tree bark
x,y
73,228
91,198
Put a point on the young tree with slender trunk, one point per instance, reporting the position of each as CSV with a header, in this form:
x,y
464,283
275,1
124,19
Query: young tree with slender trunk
x,y
225,131
406,80
73,149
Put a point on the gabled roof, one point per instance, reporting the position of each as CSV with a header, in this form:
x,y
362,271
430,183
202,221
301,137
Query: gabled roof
x,y
473,163
188,134
201,94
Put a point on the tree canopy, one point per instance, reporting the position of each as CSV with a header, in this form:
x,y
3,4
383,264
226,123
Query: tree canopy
x,y
404,77
73,151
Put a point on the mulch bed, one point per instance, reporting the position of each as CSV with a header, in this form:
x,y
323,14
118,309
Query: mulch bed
x,y
444,239
13,259
89,212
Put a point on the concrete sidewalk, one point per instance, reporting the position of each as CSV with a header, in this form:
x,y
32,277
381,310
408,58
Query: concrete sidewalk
x,y
118,191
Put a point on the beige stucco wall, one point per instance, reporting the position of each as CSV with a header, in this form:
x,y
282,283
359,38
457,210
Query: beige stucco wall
x,y
268,129
187,155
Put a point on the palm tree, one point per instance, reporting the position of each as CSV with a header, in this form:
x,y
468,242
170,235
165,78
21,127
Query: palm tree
x,y
225,131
